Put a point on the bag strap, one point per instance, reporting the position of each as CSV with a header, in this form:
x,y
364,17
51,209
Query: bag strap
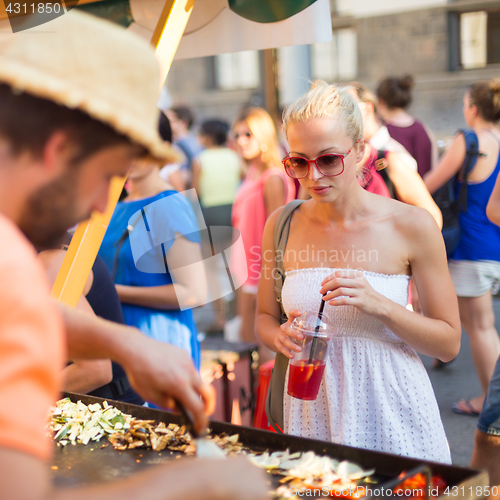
x,y
274,400
281,231
471,155
381,165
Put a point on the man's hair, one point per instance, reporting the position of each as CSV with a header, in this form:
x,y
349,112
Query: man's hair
x,y
217,130
27,123
185,114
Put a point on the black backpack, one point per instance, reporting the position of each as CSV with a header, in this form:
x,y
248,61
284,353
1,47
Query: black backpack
x,y
452,203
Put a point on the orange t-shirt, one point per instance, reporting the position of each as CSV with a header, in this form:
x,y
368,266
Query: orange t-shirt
x,y
31,346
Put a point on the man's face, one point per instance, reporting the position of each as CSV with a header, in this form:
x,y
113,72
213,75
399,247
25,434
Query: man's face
x,y
73,195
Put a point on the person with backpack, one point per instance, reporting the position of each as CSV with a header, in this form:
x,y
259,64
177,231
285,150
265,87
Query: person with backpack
x,y
475,262
356,251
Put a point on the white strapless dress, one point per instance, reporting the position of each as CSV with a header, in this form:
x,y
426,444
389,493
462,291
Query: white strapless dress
x,y
375,393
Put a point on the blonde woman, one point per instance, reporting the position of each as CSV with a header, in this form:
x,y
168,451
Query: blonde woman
x,y
265,188
359,250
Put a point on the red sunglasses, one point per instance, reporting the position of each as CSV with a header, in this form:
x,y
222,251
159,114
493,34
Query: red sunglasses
x,y
329,165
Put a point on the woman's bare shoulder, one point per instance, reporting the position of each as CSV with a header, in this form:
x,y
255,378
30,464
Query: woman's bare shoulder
x,y
415,222
271,220
402,215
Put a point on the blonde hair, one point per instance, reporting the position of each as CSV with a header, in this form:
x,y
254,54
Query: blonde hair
x,y
262,127
326,101
364,93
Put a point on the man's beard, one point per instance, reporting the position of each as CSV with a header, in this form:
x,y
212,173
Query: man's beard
x,y
50,212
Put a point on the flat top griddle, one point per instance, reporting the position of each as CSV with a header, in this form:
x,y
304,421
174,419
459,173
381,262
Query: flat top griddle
x,y
99,462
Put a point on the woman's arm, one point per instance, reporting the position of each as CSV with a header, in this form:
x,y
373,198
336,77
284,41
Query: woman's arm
x,y
410,187
268,310
189,289
274,193
267,323
84,376
449,165
178,180
436,332
434,146
196,171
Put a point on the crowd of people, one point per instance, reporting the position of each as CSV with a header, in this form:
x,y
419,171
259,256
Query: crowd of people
x,y
364,242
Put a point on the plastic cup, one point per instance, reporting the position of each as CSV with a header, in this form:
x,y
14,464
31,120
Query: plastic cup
x,y
307,366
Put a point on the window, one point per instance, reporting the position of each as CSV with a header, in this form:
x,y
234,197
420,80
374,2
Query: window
x,y
338,59
238,70
479,38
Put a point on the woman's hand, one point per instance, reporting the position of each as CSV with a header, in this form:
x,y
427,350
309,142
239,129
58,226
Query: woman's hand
x,y
349,287
284,340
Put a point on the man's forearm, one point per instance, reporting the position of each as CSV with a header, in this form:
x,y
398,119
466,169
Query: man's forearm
x,y
90,337
158,483
161,373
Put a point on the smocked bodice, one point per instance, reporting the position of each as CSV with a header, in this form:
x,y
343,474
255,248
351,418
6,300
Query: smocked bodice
x,y
375,392
301,291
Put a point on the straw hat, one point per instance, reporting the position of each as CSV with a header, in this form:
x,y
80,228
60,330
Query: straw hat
x,y
92,65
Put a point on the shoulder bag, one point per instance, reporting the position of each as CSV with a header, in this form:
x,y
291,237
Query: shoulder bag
x,y
274,401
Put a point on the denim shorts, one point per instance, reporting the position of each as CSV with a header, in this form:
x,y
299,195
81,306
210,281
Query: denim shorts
x,y
489,420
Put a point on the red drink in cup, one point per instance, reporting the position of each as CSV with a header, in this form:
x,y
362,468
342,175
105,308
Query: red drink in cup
x,y
304,379
307,367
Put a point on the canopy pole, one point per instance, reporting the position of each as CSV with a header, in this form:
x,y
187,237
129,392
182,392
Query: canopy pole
x,y
80,257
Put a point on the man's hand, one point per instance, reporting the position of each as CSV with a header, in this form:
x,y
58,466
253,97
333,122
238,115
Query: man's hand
x,y
159,372
163,374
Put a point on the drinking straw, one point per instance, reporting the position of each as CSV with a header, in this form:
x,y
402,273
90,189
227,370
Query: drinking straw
x,y
316,330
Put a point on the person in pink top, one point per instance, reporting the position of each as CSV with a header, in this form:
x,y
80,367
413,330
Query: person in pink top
x,y
265,188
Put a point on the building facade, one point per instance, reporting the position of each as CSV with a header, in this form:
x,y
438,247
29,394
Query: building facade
x,y
446,45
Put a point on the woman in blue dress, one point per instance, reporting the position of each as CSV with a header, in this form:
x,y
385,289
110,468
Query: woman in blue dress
x,y
152,249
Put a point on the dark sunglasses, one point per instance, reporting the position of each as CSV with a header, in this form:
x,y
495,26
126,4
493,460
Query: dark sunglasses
x,y
329,165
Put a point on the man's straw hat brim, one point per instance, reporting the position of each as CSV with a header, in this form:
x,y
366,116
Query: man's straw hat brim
x,y
92,65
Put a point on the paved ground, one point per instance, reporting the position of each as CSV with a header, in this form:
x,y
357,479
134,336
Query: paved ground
x,y
455,381
458,380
